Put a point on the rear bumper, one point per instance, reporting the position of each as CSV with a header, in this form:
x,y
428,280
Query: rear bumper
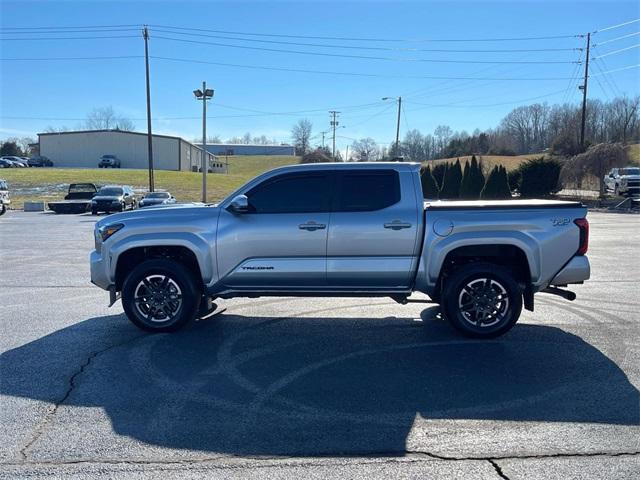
x,y
576,271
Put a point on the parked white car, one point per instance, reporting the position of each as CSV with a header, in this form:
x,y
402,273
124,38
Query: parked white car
x,y
623,181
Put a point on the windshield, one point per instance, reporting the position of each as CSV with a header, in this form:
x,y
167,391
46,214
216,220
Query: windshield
x,y
158,195
81,187
110,191
629,171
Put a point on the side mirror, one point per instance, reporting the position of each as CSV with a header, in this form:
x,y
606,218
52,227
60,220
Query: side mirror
x,y
240,204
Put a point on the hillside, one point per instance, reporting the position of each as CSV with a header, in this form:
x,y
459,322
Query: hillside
x,y
51,183
488,161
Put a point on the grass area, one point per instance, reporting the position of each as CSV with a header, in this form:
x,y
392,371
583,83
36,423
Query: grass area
x,y
48,184
488,161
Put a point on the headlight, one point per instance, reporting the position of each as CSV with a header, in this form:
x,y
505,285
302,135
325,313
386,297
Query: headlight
x,y
107,230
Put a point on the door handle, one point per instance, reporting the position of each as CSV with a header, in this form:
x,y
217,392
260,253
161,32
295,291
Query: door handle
x,y
312,226
397,225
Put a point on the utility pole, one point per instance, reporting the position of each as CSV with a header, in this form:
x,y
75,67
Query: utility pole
x,y
145,35
334,123
583,87
398,127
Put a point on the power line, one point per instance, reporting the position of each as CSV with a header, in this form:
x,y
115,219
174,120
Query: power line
x,y
362,57
47,32
356,74
58,27
628,67
613,78
66,38
617,26
284,69
44,59
617,38
618,51
360,47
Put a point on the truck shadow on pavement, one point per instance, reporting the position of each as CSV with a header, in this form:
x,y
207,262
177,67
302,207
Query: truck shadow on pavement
x,y
314,385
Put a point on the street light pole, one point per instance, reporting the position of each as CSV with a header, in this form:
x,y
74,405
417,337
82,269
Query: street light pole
x,y
145,35
205,167
399,99
204,95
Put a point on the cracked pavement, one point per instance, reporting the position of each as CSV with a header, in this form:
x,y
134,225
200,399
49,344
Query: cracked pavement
x,y
315,388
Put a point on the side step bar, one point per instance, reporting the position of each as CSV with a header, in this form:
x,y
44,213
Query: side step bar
x,y
566,294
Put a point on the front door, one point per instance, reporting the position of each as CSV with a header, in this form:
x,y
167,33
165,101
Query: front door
x,y
281,243
374,224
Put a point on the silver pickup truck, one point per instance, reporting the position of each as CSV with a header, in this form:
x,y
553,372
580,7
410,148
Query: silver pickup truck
x,y
342,229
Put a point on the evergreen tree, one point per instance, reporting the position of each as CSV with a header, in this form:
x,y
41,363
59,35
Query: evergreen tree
x,y
438,173
497,185
472,180
429,185
450,188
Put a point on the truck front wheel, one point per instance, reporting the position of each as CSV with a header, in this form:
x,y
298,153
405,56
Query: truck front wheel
x,y
482,300
160,295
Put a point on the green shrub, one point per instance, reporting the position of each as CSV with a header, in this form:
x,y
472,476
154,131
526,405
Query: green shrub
x,y
450,187
539,177
472,180
497,185
429,185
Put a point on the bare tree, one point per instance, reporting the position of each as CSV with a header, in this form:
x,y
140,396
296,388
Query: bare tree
x,y
301,135
596,161
442,133
24,144
365,150
105,118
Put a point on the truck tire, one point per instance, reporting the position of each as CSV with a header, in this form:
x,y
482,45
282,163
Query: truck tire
x,y
482,300
3,209
160,295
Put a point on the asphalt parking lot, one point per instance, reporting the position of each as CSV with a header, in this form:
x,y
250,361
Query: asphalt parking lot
x,y
315,388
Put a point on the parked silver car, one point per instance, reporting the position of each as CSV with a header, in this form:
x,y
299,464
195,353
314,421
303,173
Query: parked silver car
x,y
157,198
342,229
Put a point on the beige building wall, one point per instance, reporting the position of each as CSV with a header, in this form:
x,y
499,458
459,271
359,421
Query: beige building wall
x,y
84,149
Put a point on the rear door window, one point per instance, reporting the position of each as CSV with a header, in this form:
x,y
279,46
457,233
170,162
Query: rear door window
x,y
367,190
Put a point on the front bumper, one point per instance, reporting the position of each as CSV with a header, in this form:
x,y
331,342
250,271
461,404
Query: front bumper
x,y
576,271
100,271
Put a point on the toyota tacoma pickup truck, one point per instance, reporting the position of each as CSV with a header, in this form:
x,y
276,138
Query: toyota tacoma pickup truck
x,y
342,229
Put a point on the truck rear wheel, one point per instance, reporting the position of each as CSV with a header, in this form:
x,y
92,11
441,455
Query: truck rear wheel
x,y
160,295
482,300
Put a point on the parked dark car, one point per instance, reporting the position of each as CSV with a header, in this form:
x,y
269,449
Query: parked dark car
x,y
157,198
113,198
4,196
40,161
109,161
77,200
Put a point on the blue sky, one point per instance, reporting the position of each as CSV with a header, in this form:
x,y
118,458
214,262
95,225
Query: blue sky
x,y
61,92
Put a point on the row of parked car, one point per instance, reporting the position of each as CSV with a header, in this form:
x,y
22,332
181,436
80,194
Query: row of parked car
x,y
11,161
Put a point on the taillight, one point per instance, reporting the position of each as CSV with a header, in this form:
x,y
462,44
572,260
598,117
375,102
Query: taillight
x,y
583,225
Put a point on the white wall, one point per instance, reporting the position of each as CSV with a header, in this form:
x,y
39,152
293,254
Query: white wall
x,y
84,149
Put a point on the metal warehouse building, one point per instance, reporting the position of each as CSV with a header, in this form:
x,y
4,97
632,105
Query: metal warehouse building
x,y
83,149
245,149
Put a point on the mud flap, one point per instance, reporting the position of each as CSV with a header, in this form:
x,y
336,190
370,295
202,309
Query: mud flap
x,y
113,296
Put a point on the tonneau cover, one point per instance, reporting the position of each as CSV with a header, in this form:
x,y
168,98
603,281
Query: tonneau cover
x,y
498,204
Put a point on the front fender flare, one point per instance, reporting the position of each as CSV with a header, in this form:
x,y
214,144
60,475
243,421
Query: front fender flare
x,y
195,243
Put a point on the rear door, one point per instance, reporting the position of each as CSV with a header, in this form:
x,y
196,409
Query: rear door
x,y
374,224
281,243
